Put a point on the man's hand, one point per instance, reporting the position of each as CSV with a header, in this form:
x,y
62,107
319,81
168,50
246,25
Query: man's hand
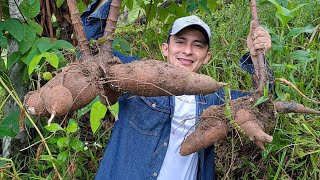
x,y
258,39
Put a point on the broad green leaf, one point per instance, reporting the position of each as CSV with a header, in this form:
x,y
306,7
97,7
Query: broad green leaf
x,y
86,109
114,109
12,59
59,3
76,144
54,127
62,44
62,142
37,27
98,111
62,156
44,44
3,41
33,64
300,55
72,126
81,7
192,6
29,38
204,4
212,5
34,52
30,8
134,14
299,30
51,58
6,131
15,28
12,121
261,100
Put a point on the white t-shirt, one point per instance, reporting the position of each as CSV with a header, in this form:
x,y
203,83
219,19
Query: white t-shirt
x,y
175,166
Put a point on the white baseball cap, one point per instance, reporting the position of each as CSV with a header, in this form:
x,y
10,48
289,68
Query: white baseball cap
x,y
187,21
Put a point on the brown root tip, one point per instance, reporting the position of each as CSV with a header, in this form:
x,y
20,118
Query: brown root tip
x,y
248,123
203,137
293,107
260,145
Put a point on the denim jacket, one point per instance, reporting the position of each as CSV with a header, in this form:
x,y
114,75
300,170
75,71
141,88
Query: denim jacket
x,y
139,140
140,137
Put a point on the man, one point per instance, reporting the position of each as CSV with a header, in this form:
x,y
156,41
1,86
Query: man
x,y
145,141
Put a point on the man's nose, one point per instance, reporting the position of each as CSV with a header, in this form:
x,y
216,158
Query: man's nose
x,y
188,49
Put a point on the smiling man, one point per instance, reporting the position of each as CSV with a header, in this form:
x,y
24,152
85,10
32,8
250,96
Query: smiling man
x,y
145,141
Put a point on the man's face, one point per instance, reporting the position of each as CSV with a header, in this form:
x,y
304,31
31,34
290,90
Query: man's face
x,y
187,49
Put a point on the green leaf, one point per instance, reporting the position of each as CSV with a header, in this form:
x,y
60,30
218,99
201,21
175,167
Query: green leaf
x,y
59,3
12,59
51,58
3,67
6,131
261,100
44,44
12,121
76,144
30,56
192,6
98,111
81,7
54,127
299,30
15,28
30,8
3,41
37,27
114,109
49,158
62,156
62,142
72,126
300,55
33,64
29,38
86,109
62,44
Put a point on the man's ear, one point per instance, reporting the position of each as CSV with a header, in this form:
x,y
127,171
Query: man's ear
x,y
165,49
208,57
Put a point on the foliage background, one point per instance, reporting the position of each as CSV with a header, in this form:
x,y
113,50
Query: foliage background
x,y
76,149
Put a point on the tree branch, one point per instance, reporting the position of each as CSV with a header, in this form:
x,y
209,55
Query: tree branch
x,y
79,30
258,61
110,28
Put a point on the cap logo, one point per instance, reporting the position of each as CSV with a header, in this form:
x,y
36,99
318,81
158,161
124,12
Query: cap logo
x,y
193,21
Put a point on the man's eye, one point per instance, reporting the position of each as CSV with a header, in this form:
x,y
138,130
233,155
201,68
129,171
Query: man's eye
x,y
179,42
199,45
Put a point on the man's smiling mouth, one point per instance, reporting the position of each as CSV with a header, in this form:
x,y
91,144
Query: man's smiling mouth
x,y
185,61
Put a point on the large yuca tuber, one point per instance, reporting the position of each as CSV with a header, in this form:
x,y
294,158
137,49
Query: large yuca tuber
x,y
80,83
71,89
211,129
155,78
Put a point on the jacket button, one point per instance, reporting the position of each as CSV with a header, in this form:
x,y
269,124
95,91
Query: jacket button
x,y
165,144
155,174
153,105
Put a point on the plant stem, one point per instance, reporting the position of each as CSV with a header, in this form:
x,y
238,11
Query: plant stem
x,y
15,97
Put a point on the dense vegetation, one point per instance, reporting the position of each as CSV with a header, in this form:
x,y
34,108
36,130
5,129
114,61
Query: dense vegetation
x,y
74,145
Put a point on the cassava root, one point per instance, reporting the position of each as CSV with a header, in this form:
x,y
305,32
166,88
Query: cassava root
x,y
79,83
